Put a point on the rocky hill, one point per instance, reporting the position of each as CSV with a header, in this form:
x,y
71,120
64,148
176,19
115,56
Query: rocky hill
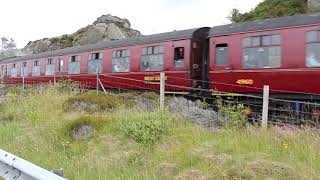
x,y
105,28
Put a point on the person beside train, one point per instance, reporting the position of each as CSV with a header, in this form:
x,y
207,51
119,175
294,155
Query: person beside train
x,y
312,60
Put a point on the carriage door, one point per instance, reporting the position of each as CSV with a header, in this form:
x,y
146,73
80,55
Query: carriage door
x,y
196,63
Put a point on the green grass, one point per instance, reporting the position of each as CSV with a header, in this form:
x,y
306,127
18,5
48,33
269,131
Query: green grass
x,y
92,102
130,144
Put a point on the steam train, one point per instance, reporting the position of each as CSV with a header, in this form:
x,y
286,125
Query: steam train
x,y
283,53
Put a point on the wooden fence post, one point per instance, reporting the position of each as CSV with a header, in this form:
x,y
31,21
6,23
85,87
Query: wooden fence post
x,y
23,82
265,109
97,81
162,90
54,78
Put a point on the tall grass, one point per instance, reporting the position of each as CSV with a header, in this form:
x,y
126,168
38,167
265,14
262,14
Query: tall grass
x,y
132,144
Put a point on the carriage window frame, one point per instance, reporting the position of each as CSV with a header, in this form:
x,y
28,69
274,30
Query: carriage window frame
x,y
35,72
24,69
275,41
74,58
95,56
179,60
226,57
155,51
36,63
50,61
309,44
50,67
13,70
121,60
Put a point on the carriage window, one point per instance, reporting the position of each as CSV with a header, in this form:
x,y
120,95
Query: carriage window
x,y
275,39
74,59
74,65
95,63
262,52
313,49
36,63
96,56
24,69
312,36
179,57
221,54
255,41
36,68
50,68
14,71
152,58
246,42
49,61
121,60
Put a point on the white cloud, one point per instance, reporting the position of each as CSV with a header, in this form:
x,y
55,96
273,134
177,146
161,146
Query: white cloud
x,y
35,19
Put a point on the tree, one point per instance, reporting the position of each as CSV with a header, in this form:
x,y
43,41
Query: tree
x,y
271,9
8,48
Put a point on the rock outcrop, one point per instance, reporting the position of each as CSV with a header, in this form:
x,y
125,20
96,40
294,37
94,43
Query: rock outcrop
x,y
105,28
314,5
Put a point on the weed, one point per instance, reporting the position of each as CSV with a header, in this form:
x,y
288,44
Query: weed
x,y
234,113
146,128
6,117
92,102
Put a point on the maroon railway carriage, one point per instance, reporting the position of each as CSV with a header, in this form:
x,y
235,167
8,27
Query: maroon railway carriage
x,y
283,53
126,64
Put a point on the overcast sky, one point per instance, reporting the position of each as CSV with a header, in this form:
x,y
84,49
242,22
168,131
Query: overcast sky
x,y
26,20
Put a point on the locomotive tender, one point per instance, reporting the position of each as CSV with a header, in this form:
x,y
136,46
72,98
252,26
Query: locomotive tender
x,y
283,53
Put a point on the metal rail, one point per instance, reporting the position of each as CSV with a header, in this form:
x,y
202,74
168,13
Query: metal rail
x,y
15,168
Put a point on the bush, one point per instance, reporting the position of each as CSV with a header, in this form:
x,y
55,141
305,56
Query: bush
x,y
234,113
146,128
92,102
94,122
68,86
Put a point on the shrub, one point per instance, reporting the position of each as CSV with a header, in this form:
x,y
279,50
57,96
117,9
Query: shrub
x,y
146,128
68,86
94,122
92,102
234,113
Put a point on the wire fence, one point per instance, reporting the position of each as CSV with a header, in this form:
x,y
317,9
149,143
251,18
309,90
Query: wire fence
x,y
280,111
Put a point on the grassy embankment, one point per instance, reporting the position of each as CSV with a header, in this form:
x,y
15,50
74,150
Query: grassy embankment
x,y
126,143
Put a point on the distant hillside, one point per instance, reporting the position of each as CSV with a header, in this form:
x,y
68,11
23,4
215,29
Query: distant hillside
x,y
105,28
275,8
